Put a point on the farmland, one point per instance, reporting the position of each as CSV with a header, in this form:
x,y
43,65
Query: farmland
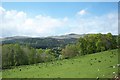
x,y
101,64
59,40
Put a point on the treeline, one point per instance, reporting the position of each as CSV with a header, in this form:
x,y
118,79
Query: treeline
x,y
16,54
41,42
91,43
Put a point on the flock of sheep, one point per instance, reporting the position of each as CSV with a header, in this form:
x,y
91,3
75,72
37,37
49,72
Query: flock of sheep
x,y
91,62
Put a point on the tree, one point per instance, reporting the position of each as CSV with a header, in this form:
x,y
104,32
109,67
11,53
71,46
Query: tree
x,y
32,56
70,51
39,52
82,46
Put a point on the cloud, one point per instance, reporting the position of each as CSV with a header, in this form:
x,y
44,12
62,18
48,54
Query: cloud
x,y
97,24
82,12
18,23
2,10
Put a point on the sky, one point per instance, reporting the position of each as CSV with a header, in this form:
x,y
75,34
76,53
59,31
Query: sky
x,y
41,19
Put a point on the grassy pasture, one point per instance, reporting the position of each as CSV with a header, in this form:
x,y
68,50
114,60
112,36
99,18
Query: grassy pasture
x,y
0,74
102,65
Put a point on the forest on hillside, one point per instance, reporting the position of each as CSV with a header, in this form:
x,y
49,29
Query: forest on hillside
x,y
16,54
41,42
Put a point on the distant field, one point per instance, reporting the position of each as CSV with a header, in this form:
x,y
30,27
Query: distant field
x,y
102,65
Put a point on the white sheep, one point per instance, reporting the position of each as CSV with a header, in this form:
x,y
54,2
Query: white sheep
x,y
113,72
118,65
98,70
113,66
97,78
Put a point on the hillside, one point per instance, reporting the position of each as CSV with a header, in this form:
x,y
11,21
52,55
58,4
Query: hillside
x,y
102,65
68,36
43,42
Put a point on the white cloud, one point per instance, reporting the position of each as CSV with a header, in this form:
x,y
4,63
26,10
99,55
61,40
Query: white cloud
x,y
65,19
2,10
82,12
18,23
97,24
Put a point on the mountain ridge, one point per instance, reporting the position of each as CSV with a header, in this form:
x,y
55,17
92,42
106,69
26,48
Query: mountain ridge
x,y
66,36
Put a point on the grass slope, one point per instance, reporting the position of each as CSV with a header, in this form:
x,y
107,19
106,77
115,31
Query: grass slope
x,y
0,74
88,66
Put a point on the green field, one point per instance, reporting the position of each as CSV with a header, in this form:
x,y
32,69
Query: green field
x,y
0,74
101,65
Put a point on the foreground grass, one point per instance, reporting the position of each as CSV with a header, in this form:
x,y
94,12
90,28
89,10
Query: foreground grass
x,y
0,74
101,65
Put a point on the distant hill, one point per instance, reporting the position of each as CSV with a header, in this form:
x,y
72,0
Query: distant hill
x,y
14,37
68,36
43,42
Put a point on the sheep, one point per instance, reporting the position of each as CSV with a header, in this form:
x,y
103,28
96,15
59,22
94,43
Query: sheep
x,y
60,63
97,78
52,62
27,67
95,58
113,66
90,63
111,56
20,69
117,77
112,52
118,65
113,72
99,61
